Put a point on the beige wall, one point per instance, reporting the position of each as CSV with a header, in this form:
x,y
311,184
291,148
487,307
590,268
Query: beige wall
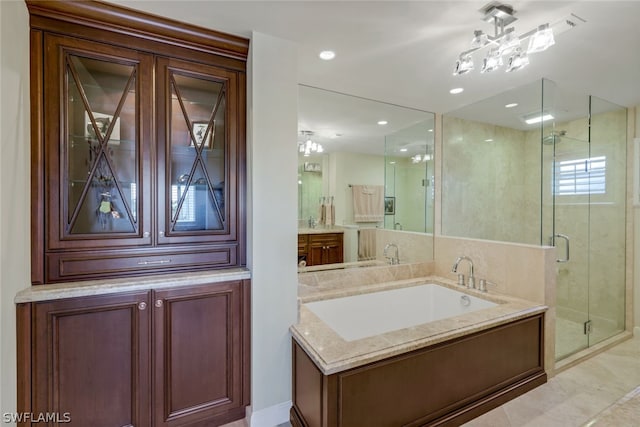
x,y
489,188
272,221
14,184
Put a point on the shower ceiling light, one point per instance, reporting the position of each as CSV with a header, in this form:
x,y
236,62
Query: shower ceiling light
x,y
534,118
505,42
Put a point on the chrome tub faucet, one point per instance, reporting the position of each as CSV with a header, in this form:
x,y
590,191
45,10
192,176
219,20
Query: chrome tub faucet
x,y
471,284
394,260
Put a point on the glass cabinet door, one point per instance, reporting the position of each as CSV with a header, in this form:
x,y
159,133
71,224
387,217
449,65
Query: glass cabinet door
x,y
194,166
101,185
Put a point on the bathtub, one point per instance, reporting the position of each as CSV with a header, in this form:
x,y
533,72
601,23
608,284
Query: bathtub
x,y
412,354
366,315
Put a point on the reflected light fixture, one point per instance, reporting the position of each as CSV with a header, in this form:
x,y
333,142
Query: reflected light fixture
x,y
308,146
534,118
505,43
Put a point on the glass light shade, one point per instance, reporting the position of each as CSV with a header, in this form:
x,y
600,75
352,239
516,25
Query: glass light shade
x,y
517,61
509,42
541,40
492,61
479,39
463,65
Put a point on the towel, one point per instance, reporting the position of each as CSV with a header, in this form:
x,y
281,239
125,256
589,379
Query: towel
x,y
323,214
329,214
333,213
366,244
368,203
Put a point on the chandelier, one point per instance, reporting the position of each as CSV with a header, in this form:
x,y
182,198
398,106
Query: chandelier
x,y
307,146
505,46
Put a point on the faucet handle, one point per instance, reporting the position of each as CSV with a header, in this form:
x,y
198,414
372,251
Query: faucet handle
x,y
482,286
461,279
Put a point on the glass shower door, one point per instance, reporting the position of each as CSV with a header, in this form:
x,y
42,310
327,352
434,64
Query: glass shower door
x,y
571,168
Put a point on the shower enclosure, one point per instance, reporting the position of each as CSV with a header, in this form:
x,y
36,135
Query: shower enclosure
x,y
550,170
409,169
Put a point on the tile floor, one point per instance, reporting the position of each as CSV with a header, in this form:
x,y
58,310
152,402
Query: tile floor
x,y
603,391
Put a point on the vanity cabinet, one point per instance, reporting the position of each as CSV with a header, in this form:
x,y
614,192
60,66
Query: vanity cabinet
x,y
164,357
321,248
138,135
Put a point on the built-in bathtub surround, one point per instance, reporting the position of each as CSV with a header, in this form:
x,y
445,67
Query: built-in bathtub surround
x,y
447,369
332,353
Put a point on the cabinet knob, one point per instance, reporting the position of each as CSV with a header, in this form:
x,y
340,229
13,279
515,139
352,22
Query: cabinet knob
x,y
162,233
142,305
145,234
158,303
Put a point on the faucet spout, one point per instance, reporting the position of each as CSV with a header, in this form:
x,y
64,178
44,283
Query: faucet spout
x,y
454,269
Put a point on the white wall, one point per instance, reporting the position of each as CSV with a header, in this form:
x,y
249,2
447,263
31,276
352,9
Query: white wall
x,y
14,184
272,221
636,251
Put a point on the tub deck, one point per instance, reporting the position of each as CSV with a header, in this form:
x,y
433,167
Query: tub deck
x,y
440,373
332,353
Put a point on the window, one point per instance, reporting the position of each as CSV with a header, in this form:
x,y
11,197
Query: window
x,y
188,211
580,177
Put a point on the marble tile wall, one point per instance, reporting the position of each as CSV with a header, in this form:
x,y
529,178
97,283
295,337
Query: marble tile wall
x,y
413,247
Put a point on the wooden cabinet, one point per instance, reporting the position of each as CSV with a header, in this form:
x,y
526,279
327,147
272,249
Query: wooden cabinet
x,y
138,143
325,248
446,384
168,357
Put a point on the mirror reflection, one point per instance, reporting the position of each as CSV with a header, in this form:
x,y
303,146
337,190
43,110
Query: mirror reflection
x,y
363,167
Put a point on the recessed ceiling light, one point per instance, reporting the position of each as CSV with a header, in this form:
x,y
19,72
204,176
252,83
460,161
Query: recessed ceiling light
x,y
382,122
456,91
327,55
530,120
392,163
430,130
403,149
513,104
488,140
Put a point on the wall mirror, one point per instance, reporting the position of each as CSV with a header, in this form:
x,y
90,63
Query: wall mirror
x,y
347,144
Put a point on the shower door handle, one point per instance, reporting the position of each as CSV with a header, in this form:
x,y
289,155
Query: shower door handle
x,y
566,238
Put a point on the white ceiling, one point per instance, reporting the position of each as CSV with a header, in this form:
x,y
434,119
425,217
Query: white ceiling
x,y
404,52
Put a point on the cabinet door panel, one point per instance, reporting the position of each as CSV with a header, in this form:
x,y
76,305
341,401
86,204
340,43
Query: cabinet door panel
x,y
97,118
91,359
197,125
198,355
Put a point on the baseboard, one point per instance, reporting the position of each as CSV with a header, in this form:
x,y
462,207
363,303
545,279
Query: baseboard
x,y
636,331
271,416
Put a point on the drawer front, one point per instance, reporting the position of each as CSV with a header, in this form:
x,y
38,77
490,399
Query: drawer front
x,y
325,238
69,266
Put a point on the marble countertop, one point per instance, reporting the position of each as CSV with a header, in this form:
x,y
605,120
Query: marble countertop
x,y
110,286
333,354
321,230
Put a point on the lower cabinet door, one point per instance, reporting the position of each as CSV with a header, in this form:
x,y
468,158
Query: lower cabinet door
x,y
90,360
198,354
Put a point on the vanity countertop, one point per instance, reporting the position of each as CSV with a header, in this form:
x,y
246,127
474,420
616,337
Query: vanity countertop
x,y
321,230
333,354
109,286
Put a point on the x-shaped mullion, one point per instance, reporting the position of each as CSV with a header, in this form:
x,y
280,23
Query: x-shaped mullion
x,y
199,148
102,141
